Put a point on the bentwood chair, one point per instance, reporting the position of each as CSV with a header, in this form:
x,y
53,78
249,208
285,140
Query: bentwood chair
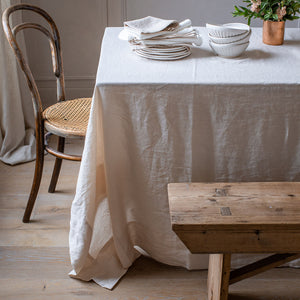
x,y
65,119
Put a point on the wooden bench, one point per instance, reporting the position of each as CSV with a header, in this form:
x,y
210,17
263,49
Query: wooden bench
x,y
225,218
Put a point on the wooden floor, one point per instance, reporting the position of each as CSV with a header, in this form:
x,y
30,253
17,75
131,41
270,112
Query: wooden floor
x,y
34,259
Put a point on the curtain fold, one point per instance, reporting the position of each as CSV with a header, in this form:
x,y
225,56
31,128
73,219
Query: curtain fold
x,y
17,140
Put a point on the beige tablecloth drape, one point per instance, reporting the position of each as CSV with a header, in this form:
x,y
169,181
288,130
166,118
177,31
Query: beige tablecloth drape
x,y
203,118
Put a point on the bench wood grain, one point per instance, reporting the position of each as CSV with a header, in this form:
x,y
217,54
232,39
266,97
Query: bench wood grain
x,y
239,217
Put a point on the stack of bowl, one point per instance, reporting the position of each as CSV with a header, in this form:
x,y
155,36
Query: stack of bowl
x,y
228,40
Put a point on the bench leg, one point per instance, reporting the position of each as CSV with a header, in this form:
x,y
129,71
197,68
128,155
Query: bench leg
x,y
218,276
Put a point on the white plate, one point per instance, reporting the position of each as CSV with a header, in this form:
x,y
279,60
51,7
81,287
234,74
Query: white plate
x,y
163,56
163,52
163,49
149,52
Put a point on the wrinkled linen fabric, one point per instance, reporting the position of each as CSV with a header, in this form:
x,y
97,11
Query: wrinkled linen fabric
x,y
203,118
144,26
17,136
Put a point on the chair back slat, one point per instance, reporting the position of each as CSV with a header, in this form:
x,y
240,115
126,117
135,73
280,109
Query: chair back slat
x,y
54,41
56,66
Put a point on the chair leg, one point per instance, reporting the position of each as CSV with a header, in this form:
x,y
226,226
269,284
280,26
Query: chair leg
x,y
39,164
57,165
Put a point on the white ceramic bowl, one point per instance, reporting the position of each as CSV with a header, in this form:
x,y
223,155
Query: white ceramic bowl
x,y
227,30
237,26
228,50
237,39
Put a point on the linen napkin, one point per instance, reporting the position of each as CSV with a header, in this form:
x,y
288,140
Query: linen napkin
x,y
150,31
150,26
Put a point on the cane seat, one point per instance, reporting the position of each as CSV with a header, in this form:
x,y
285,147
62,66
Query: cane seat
x,y
68,118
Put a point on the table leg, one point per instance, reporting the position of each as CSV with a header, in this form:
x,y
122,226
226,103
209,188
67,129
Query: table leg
x,y
218,276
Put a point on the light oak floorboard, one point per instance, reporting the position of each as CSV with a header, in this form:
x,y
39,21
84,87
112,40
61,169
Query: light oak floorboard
x,y
34,257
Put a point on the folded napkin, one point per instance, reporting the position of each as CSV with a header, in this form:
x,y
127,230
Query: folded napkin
x,y
150,25
150,31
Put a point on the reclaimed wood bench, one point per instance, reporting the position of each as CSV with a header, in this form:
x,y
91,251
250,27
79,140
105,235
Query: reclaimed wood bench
x,y
225,218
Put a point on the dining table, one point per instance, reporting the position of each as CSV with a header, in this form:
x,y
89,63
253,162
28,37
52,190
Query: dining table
x,y
203,118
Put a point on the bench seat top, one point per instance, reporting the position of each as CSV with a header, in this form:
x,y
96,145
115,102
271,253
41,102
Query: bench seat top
x,y
236,217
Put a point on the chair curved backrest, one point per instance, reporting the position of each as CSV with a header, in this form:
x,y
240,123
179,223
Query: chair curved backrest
x,y
54,41
61,119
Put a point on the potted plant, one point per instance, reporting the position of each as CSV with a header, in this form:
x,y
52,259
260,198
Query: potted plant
x,y
274,13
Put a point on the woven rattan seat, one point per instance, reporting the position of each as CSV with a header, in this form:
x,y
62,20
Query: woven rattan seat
x,y
68,118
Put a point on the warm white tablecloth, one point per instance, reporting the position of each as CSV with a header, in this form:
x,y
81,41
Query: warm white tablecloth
x,y
202,118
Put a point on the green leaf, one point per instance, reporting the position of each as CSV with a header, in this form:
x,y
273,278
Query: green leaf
x,y
267,16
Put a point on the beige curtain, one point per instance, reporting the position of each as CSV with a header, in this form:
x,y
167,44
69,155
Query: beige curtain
x,y
17,140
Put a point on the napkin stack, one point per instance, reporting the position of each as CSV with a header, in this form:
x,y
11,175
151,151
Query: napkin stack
x,y
162,39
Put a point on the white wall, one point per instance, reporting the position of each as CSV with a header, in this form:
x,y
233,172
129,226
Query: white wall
x,y
82,22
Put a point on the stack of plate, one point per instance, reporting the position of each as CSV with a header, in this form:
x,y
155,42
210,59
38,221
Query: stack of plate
x,y
163,52
168,44
229,40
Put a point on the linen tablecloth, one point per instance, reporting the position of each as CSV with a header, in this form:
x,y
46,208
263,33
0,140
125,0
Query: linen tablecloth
x,y
202,118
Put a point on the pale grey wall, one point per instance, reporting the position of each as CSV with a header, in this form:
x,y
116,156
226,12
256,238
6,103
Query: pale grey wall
x,y
82,22
199,11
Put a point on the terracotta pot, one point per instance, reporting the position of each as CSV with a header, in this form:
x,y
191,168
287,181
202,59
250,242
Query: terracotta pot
x,y
273,32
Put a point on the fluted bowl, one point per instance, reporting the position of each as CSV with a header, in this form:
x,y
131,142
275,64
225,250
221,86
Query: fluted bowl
x,y
227,30
228,50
